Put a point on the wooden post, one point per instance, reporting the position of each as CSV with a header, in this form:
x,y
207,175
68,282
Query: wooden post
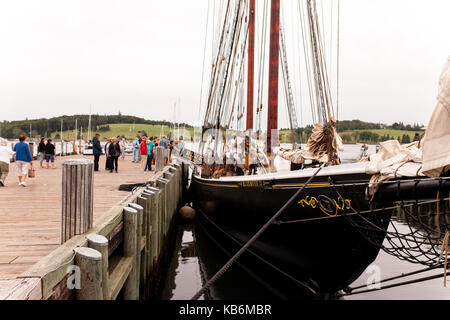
x,y
159,158
140,255
163,185
100,243
147,197
171,196
155,222
90,263
130,219
175,169
77,197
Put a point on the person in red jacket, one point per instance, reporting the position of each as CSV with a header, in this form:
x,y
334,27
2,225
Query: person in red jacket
x,y
143,148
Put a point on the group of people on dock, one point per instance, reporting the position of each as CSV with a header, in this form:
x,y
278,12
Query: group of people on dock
x,y
46,152
24,159
143,151
114,148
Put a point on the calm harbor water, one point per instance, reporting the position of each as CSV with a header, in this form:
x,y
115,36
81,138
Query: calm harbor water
x,y
196,259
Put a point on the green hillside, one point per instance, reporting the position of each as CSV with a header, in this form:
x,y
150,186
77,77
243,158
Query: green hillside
x,y
129,131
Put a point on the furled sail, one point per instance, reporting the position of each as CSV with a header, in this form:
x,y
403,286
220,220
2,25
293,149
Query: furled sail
x,y
436,146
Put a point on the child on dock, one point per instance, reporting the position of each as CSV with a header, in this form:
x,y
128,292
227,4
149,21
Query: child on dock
x,y
23,160
5,157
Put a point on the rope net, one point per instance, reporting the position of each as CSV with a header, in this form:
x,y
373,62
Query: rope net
x,y
416,230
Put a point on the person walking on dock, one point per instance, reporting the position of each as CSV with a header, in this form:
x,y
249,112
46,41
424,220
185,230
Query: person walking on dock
x,y
41,151
136,148
123,145
114,154
164,143
23,159
5,158
143,148
96,150
50,153
150,146
108,158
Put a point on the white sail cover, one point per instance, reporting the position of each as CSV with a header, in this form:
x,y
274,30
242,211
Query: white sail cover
x,y
436,144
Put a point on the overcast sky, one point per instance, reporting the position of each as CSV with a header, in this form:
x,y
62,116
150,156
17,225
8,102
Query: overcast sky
x,y
138,56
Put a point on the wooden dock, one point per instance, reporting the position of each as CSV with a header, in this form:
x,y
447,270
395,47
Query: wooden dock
x,y
31,216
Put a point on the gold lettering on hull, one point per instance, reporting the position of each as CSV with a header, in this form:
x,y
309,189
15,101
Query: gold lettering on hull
x,y
340,204
254,184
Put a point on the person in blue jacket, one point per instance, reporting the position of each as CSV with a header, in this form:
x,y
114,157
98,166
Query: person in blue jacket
x,y
23,159
96,150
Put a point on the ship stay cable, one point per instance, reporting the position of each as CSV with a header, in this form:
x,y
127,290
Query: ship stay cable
x,y
204,58
255,237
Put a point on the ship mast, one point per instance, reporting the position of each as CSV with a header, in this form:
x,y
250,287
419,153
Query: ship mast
x,y
251,78
272,118
251,64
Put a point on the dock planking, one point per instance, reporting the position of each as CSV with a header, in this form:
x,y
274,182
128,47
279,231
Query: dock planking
x,y
31,216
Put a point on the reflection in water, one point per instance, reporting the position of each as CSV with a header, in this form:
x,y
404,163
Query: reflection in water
x,y
196,259
183,278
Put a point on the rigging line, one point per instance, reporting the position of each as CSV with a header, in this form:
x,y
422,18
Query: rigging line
x,y
261,65
234,57
240,73
215,74
204,58
312,18
226,71
403,275
282,51
397,284
301,16
255,237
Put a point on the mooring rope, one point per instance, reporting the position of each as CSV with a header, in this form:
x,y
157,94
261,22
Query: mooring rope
x,y
255,237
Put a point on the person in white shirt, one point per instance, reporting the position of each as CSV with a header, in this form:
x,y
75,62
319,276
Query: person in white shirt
x,y
5,158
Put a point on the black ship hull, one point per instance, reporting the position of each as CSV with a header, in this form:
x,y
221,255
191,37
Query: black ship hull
x,y
312,243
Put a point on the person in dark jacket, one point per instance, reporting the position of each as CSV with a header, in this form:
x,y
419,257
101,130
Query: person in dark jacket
x,y
96,150
41,151
114,153
50,153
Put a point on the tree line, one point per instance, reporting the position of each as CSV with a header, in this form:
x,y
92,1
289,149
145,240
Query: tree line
x,y
45,127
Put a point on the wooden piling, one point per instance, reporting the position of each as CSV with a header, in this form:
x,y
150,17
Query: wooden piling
x,y
90,263
100,243
140,254
155,222
130,217
148,196
77,197
171,195
162,184
159,158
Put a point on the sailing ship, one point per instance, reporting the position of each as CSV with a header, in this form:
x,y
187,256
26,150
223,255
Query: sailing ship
x,y
314,244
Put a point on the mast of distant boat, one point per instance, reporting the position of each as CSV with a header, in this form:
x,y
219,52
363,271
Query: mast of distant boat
x,y
89,126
